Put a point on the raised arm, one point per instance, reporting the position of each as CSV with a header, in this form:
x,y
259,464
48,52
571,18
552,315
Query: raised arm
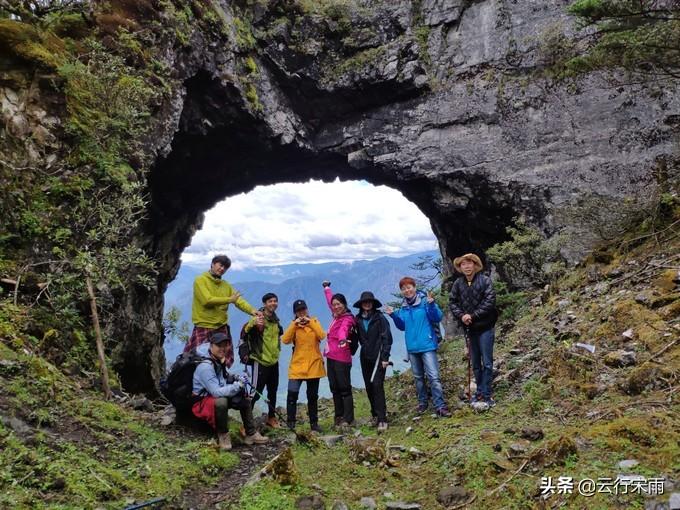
x,y
395,315
434,313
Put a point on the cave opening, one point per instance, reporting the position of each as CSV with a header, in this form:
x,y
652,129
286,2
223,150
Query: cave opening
x,y
287,238
219,150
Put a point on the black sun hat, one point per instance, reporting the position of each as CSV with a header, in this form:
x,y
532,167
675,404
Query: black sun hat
x,y
367,296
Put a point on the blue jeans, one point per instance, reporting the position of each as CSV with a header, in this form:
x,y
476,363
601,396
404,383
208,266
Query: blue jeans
x,y
481,352
426,363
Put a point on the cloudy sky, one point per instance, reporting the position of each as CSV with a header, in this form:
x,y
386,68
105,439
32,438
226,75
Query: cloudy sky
x,y
311,222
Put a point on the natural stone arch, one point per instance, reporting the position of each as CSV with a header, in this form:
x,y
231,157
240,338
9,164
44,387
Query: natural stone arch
x,y
469,140
215,155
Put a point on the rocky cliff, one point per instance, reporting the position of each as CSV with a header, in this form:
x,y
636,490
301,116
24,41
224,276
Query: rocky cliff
x,y
459,104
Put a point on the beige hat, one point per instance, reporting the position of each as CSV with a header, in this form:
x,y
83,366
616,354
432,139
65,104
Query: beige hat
x,y
468,256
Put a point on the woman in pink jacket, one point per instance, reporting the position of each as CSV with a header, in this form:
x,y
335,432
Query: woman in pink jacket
x,y
338,354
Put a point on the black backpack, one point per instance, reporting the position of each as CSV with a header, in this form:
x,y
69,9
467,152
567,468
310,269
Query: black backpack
x,y
178,385
250,343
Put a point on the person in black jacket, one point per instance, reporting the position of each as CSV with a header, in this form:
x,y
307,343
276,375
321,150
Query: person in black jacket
x,y
375,339
473,303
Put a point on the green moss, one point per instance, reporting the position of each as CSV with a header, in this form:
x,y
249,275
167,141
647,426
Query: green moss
x,y
250,66
422,35
108,105
97,453
267,495
357,62
28,43
252,96
244,35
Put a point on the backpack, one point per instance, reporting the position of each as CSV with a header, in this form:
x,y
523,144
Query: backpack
x,y
437,329
250,343
178,385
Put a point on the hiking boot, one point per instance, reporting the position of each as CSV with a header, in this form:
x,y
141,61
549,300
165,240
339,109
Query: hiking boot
x,y
343,427
316,428
382,427
443,412
490,402
224,441
256,438
421,409
272,422
374,421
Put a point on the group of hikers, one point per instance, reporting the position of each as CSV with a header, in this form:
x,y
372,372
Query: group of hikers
x,y
215,390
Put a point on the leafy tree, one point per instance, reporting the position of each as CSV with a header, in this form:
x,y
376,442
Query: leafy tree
x,y
174,327
527,259
638,35
31,10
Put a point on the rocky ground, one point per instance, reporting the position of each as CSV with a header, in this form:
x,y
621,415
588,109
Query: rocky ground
x,y
587,379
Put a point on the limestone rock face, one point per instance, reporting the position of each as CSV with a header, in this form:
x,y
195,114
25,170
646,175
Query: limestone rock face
x,y
444,100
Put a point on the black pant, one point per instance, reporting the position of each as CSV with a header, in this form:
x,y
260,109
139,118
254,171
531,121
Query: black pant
x,y
269,377
312,399
222,406
339,380
376,389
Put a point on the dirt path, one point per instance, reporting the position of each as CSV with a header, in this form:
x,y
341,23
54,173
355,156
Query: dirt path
x,y
227,491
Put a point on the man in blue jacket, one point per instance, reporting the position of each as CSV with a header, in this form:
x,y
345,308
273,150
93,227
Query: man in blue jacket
x,y
416,316
216,391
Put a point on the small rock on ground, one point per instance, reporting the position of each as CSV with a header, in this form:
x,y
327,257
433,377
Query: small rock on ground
x,y
674,501
310,503
368,503
450,496
532,433
401,505
331,440
339,505
627,464
620,358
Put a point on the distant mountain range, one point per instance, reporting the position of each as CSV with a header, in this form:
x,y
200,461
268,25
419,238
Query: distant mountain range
x,y
301,281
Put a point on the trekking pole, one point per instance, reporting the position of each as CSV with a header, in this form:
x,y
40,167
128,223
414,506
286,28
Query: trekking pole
x,y
469,358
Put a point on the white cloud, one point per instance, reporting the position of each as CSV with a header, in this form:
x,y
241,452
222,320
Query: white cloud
x,y
311,222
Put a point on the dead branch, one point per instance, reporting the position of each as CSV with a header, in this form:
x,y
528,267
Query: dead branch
x,y
662,350
98,338
463,505
524,464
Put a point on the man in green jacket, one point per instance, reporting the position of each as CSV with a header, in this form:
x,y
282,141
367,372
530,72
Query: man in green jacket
x,y
209,310
266,362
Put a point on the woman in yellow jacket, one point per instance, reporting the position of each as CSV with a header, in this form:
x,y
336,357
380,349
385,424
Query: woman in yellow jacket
x,y
306,364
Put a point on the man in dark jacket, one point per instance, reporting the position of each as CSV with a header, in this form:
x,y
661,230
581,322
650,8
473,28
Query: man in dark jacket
x,y
375,338
473,303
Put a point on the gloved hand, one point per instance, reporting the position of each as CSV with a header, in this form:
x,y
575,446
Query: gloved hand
x,y
238,382
326,283
243,378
